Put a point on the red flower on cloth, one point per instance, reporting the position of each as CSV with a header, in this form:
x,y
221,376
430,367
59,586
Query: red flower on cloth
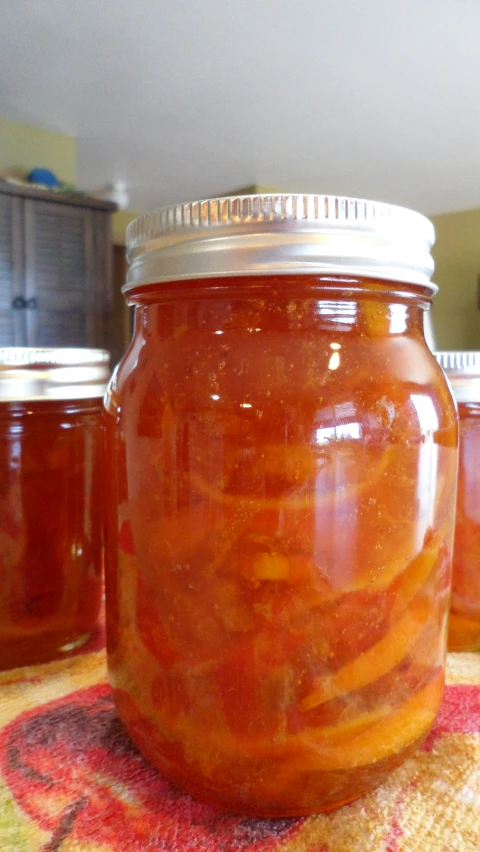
x,y
74,770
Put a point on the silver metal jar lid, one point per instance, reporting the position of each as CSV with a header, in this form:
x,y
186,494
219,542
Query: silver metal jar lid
x,y
280,235
463,372
28,373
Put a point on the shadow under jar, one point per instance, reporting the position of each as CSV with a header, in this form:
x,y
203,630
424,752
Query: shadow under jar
x,y
52,485
282,453
463,371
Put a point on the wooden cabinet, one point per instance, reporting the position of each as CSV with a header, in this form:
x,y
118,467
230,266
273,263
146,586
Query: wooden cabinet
x,y
12,320
55,269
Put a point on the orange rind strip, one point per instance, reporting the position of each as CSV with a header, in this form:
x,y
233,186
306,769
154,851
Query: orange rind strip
x,y
417,572
414,573
310,500
389,736
376,661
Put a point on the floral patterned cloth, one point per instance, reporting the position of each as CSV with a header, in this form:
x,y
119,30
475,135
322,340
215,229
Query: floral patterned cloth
x,y
72,781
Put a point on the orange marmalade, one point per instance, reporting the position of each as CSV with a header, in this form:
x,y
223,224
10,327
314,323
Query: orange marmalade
x,y
282,452
51,500
463,370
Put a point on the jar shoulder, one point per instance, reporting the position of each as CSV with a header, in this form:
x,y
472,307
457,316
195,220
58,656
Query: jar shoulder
x,y
388,384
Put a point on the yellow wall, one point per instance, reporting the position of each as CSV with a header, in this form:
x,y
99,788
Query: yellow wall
x,y
120,221
25,147
456,317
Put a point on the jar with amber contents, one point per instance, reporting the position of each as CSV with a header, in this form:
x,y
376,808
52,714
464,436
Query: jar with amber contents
x,y
282,451
463,372
52,509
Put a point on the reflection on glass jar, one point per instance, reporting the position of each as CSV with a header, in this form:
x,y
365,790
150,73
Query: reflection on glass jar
x,y
463,371
282,453
51,500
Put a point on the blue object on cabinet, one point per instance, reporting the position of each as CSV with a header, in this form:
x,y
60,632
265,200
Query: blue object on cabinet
x,y
43,176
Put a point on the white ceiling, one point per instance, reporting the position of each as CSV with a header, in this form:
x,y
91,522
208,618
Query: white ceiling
x,y
186,99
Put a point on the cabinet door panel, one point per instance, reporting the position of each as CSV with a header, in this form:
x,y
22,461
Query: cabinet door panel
x,y
102,245
59,275
12,322
60,328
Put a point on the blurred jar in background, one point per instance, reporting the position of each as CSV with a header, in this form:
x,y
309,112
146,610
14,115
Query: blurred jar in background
x,y
463,372
51,500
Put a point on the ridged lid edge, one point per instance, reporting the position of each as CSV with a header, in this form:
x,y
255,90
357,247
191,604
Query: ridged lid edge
x,y
459,362
23,356
255,209
29,373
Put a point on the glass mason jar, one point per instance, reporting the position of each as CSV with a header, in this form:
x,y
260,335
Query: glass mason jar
x,y
52,510
282,453
463,372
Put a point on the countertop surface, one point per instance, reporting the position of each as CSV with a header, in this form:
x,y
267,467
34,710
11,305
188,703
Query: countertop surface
x,y
71,780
